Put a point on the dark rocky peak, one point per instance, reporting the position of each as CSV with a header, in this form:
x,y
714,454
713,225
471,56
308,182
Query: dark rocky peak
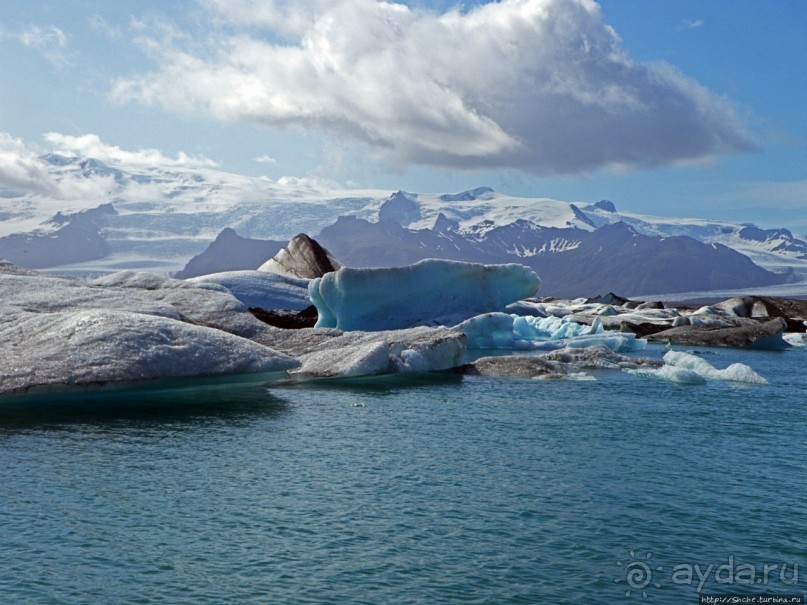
x,y
399,208
227,234
443,224
609,299
466,196
606,205
303,258
755,234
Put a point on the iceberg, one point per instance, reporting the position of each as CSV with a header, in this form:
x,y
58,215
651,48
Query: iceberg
x,y
430,292
126,326
391,352
98,346
508,331
686,368
133,326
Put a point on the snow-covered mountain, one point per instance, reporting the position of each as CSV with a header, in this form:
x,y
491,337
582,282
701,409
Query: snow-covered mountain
x,y
572,262
98,217
771,248
162,217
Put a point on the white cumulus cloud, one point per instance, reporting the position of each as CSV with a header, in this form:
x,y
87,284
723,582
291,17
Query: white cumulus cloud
x,y
21,169
543,86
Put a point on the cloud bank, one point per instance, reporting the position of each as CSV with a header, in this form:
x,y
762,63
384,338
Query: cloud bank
x,y
91,146
21,169
543,86
24,170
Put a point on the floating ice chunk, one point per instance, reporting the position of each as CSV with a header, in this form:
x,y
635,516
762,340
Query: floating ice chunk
x,y
430,292
707,320
503,331
618,342
261,289
736,372
567,362
524,307
374,353
581,377
359,360
795,339
671,373
490,331
685,368
96,346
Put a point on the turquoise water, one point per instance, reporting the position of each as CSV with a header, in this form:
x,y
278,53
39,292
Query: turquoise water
x,y
428,490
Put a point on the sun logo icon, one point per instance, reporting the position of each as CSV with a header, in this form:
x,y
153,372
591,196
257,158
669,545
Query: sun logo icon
x,y
638,574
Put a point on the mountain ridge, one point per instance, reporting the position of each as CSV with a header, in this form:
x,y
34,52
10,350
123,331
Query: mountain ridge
x,y
165,216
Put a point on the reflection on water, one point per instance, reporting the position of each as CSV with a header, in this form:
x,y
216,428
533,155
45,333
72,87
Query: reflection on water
x,y
390,384
171,402
139,407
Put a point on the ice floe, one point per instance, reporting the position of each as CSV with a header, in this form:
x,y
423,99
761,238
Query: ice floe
x,y
390,352
97,346
134,326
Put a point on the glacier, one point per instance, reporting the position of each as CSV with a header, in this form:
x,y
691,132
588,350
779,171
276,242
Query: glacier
x,y
429,292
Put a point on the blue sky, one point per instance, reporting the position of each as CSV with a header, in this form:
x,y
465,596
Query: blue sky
x,y
681,108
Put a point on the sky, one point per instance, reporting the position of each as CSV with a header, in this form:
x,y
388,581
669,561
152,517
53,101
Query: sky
x,y
670,107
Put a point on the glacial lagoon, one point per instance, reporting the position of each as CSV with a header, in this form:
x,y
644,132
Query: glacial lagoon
x,y
419,489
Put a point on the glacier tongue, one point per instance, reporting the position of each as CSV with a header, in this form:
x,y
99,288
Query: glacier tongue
x,y
430,292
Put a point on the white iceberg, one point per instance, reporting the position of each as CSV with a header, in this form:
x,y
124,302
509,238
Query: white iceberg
x,y
430,292
345,354
686,368
795,339
507,331
98,346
